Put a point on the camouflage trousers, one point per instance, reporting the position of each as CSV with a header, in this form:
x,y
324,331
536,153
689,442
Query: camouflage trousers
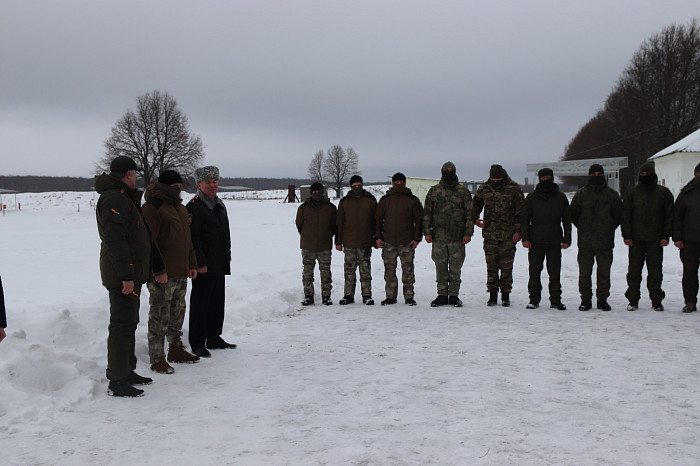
x,y
308,259
499,265
390,254
448,258
354,258
166,315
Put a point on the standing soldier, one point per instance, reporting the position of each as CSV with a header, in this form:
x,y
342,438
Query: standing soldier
x,y
211,238
595,210
125,265
501,199
686,237
448,225
545,212
316,223
355,231
647,224
398,232
167,219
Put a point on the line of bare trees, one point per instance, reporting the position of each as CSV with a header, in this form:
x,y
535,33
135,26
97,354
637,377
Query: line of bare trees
x,y
655,102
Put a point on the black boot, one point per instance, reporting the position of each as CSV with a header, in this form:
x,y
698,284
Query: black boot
x,y
585,305
454,301
439,301
505,299
493,298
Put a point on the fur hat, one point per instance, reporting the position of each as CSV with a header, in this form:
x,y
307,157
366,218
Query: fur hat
x,y
206,173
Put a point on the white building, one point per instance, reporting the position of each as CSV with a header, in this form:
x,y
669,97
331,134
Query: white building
x,y
676,163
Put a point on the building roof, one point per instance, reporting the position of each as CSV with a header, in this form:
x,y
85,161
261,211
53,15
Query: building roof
x,y
690,143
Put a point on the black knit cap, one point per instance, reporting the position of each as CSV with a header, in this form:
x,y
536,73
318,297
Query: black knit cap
x,y
647,167
316,187
497,172
398,177
596,168
169,177
355,179
545,172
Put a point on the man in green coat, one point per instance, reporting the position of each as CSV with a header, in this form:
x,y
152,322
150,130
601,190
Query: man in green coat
x,y
595,211
448,225
647,224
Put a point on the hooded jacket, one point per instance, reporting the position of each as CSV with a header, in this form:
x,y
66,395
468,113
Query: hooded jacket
x,y
686,220
399,217
647,213
447,214
596,212
545,217
125,252
502,203
355,220
316,224
167,219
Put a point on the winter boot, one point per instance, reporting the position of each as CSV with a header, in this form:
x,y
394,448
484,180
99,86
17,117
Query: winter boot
x,y
493,298
410,302
346,300
439,301
558,305
308,300
454,301
657,306
689,308
632,306
388,301
533,305
162,367
585,305
603,305
135,379
326,301
505,299
177,354
123,389
368,301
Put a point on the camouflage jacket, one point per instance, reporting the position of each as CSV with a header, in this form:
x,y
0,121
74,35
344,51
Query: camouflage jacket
x,y
447,214
596,212
502,204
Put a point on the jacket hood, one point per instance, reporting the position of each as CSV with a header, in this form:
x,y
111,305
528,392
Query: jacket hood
x,y
162,191
105,182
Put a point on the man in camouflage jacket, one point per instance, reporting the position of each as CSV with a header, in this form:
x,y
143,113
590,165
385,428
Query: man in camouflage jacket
x,y
595,210
647,224
501,199
448,225
398,232
355,222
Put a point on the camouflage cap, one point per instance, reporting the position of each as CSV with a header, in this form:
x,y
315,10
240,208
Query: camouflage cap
x,y
206,173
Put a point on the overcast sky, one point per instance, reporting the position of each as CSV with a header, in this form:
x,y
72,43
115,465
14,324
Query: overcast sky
x,y
408,84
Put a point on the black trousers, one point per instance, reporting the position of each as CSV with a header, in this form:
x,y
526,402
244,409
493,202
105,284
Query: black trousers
x,y
690,256
651,253
121,342
536,256
206,309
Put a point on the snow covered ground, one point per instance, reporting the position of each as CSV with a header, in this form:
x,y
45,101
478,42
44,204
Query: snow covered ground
x,y
338,385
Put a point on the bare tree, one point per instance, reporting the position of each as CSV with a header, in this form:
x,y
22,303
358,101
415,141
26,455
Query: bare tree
x,y
156,136
339,166
315,172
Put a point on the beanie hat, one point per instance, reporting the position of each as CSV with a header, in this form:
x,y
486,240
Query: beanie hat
x,y
447,165
123,164
545,172
398,177
647,167
316,187
169,177
595,168
497,171
206,173
355,179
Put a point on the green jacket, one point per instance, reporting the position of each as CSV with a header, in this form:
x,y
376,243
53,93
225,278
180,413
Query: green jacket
x,y
502,203
596,213
647,213
125,253
447,214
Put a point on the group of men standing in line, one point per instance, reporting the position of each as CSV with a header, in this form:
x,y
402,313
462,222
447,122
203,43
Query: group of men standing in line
x,y
162,244
542,220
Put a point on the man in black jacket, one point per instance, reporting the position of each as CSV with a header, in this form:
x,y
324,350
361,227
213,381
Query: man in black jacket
x,y
212,244
545,212
686,237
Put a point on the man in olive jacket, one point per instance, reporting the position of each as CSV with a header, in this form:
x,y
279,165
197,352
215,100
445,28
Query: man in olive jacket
x,y
125,265
398,232
647,224
448,225
355,222
546,230
595,211
501,199
211,237
316,224
168,220
686,237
